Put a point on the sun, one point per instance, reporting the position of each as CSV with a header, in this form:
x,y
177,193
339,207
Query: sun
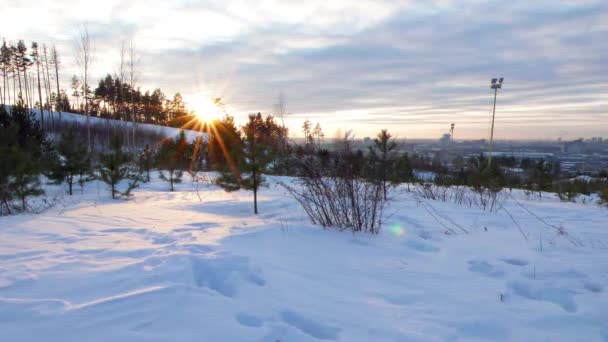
x,y
207,109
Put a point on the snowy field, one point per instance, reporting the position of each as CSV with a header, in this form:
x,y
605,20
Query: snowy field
x,y
82,119
175,267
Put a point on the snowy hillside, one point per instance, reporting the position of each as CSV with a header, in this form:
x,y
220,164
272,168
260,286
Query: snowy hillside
x,y
170,267
160,130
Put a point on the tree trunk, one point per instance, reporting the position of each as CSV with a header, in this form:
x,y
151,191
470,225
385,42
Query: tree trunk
x,y
70,182
40,93
255,198
56,62
47,85
20,88
254,175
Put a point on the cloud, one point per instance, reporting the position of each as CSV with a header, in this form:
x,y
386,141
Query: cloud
x,y
410,66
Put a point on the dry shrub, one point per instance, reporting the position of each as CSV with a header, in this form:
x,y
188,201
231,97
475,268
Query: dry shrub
x,y
333,192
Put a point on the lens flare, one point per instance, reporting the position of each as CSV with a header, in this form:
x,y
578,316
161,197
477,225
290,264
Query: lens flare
x,y
397,230
206,109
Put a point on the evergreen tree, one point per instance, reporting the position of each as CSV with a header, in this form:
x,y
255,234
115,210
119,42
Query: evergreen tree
x,y
402,170
115,166
485,177
383,156
171,158
145,162
29,134
25,180
540,177
226,153
260,148
308,133
318,134
9,150
19,170
73,160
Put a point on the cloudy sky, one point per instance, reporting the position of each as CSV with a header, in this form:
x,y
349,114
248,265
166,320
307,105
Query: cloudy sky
x,y
410,66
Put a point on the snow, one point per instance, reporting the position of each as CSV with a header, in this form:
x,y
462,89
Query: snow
x,y
170,267
82,119
583,178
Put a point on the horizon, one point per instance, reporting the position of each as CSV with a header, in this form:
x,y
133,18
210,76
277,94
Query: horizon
x,y
410,67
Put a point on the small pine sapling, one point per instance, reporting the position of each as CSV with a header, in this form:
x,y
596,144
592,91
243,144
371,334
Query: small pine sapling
x,y
171,160
73,160
116,166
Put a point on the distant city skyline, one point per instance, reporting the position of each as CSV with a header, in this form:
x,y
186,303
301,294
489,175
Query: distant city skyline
x,y
413,67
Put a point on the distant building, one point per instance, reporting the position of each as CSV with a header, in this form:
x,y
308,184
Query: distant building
x,y
445,139
576,146
522,155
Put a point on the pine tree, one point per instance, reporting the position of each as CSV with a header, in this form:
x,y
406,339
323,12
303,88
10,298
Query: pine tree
x,y
9,150
145,162
402,171
171,158
76,91
318,134
226,153
261,146
19,169
116,166
382,154
25,179
307,130
73,160
5,67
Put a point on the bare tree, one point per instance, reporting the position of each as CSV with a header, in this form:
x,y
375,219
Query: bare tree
x,y
132,78
36,59
280,108
85,60
47,81
55,61
120,75
281,111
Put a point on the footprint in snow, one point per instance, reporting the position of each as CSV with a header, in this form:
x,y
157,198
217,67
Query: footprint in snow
x,y
309,326
249,320
197,226
547,293
565,274
485,268
515,262
593,286
421,246
224,275
484,330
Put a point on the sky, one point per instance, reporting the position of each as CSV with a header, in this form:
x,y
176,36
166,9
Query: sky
x,y
412,67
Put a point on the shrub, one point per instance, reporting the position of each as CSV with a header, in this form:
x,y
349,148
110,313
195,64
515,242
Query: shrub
x,y
337,195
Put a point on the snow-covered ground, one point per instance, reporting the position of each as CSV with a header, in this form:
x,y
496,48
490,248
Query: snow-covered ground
x,y
80,118
172,267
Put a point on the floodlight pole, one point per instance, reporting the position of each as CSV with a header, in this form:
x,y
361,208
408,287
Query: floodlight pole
x,y
496,84
492,129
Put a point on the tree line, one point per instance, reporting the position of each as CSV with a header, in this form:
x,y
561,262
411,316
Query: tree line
x,y
31,76
346,186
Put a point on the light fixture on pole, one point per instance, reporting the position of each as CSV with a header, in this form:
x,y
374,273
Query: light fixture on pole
x,y
496,84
